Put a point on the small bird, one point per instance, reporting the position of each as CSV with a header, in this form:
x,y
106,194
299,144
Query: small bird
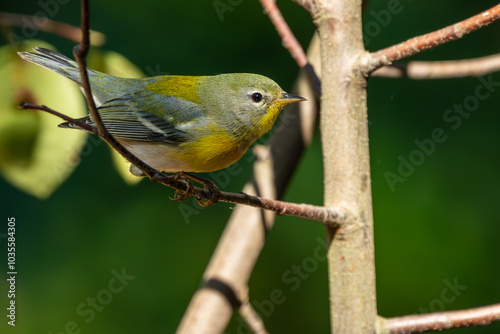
x,y
179,123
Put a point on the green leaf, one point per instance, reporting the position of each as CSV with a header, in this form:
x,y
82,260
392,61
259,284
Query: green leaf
x,y
35,155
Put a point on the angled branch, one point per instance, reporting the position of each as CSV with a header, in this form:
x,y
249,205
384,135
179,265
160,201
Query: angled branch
x,y
480,316
441,69
425,42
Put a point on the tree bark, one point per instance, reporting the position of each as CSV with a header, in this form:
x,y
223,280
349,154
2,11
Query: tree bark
x,y
344,134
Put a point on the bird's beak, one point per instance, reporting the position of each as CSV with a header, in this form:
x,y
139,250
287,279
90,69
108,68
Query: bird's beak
x,y
290,98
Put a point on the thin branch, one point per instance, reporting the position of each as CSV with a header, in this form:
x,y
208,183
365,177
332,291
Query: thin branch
x,y
58,28
425,42
329,216
289,42
81,124
80,52
480,316
442,69
287,38
252,319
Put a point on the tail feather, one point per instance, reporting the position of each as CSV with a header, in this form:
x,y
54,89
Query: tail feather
x,y
55,62
104,87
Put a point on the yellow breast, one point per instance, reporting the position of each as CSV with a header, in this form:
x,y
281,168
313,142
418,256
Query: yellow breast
x,y
213,152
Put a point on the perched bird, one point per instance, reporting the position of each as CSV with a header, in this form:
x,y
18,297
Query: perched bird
x,y
179,123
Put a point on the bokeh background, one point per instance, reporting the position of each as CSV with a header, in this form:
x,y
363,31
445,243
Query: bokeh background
x,y
436,234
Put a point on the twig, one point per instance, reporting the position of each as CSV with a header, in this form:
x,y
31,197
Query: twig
x,y
422,43
441,69
287,38
480,316
80,52
329,216
68,119
290,43
252,319
62,29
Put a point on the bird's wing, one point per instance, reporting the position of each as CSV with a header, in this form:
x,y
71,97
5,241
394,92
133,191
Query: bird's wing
x,y
148,117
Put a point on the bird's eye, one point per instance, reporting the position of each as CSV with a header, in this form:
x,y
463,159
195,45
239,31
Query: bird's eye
x,y
256,97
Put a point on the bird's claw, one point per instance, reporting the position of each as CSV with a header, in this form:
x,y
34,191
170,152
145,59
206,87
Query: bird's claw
x,y
182,195
209,196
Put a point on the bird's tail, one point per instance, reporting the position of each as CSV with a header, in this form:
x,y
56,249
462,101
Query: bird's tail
x,y
55,62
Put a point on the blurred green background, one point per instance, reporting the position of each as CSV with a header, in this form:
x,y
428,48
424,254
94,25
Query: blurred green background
x,y
436,234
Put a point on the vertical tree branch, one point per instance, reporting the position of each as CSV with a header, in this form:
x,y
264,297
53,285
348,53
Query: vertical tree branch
x,y
344,134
